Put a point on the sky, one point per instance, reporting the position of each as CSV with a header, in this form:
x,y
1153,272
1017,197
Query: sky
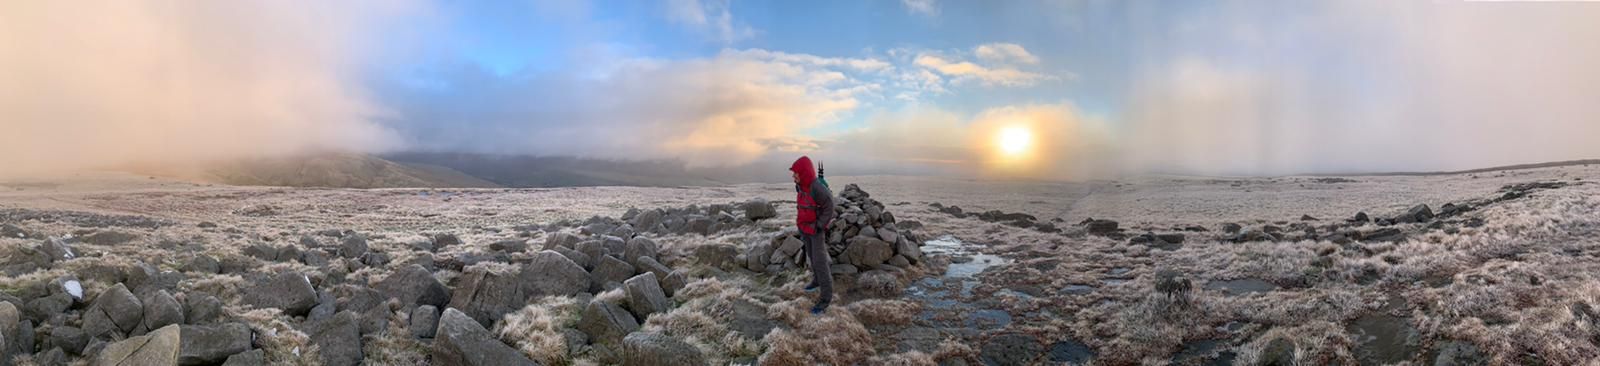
x,y
1096,88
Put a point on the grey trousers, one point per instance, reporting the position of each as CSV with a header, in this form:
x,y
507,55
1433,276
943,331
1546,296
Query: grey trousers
x,y
816,248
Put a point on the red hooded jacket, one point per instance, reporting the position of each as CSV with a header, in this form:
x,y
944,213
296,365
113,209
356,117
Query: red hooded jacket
x,y
814,200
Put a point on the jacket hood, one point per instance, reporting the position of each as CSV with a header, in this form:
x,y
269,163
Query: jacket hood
x,y
808,173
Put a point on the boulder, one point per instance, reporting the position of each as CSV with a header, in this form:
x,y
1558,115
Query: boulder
x,y
551,274
674,281
69,338
716,255
487,295
201,308
203,264
758,209
509,246
414,285
58,250
115,311
442,240
645,296
561,240
288,291
864,252
353,246
609,270
212,344
1102,227
640,247
787,249
581,259
157,348
606,323
755,259
161,310
1418,213
460,341
657,349
424,321
248,358
338,339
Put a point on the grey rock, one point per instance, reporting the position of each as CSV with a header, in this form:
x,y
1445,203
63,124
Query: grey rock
x,y
353,246
203,264
115,311
551,274
442,240
716,255
657,349
288,291
253,357
606,323
43,308
414,285
462,341
338,339
70,338
487,295
864,252
57,249
201,308
674,281
640,247
607,270
161,310
424,321
157,348
53,357
581,259
645,296
787,248
1102,227
509,246
211,344
758,209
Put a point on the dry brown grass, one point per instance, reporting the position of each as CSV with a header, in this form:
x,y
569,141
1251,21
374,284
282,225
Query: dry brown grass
x,y
536,330
879,312
833,338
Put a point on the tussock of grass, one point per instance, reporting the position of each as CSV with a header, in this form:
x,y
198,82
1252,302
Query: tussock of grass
x,y
912,358
395,346
282,343
834,338
536,330
879,312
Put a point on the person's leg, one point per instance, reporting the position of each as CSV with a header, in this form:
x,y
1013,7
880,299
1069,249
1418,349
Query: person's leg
x,y
811,264
820,271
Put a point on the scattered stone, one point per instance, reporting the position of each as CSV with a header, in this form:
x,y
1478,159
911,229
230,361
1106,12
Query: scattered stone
x,y
414,285
561,240
462,341
551,274
353,246
442,240
645,296
758,209
1102,227
157,348
42,309
115,311
254,357
674,281
509,246
161,310
1231,228
203,264
424,321
716,255
606,323
864,252
1307,218
640,247
609,270
487,295
70,338
58,250
288,291
657,349
202,308
338,339
211,344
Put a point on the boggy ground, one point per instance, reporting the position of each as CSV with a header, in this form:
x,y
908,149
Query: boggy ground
x,y
1519,287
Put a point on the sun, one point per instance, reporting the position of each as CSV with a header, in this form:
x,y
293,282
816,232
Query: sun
x,y
1015,140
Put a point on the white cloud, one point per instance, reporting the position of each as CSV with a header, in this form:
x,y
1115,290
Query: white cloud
x,y
154,82
1006,53
727,109
712,17
923,7
989,76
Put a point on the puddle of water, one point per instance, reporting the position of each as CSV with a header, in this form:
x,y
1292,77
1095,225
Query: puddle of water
x,y
1242,286
978,262
1119,271
1070,351
1382,338
1114,281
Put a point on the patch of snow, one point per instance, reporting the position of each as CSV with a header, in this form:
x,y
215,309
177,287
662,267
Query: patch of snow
x,y
73,288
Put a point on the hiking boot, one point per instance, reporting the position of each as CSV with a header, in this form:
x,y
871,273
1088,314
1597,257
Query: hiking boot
x,y
819,308
811,287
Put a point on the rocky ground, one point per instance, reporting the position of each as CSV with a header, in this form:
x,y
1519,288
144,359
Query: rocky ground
x,y
1482,268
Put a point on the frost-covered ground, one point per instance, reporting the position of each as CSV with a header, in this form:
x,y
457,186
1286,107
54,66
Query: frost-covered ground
x,y
1521,288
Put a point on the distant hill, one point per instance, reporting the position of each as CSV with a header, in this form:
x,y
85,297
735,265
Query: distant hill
x,y
1552,164
548,171
342,170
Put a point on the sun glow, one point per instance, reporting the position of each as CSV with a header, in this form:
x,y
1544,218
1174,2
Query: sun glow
x,y
1014,141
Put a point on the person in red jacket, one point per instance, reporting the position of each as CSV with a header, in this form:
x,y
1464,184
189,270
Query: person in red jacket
x,y
815,203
